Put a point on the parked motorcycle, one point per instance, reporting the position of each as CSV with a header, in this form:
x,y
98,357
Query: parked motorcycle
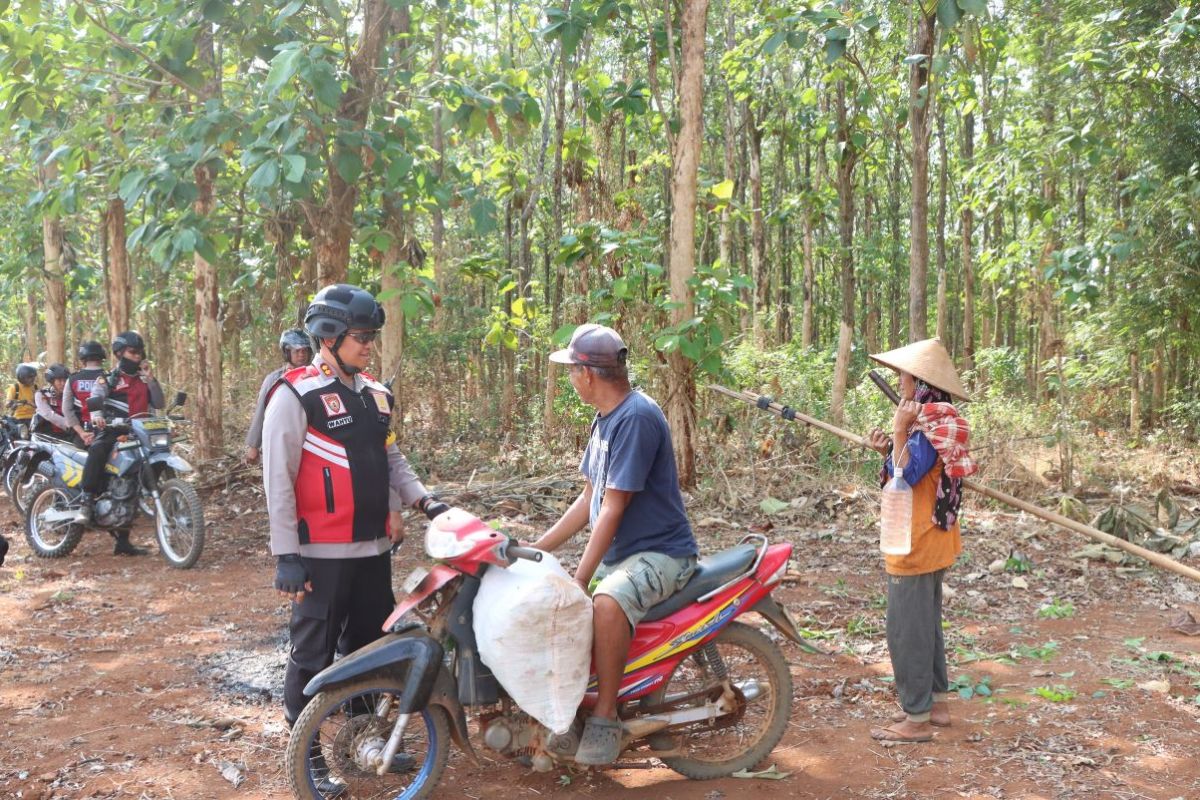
x,y
14,435
704,692
142,475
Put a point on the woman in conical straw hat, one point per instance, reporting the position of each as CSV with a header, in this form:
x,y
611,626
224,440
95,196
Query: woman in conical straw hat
x,y
931,440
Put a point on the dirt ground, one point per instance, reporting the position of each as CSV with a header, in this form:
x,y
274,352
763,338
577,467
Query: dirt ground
x,y
125,678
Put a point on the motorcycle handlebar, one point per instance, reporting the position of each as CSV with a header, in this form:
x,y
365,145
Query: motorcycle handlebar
x,y
528,553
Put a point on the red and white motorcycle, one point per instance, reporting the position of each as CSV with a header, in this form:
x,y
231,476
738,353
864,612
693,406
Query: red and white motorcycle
x,y
704,692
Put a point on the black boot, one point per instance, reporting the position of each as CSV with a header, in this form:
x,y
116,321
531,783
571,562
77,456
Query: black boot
x,y
124,547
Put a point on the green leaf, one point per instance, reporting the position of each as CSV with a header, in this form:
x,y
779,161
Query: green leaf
x,y
775,42
296,165
976,7
348,164
772,506
723,190
948,13
563,334
412,306
266,176
834,48
483,216
283,69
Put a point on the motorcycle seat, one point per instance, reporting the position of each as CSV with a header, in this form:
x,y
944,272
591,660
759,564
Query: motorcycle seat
x,y
711,572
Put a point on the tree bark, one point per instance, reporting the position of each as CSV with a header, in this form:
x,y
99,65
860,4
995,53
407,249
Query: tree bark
x,y
116,268
681,397
807,321
553,295
967,224
758,236
943,319
920,102
1135,396
54,271
209,390
845,192
333,222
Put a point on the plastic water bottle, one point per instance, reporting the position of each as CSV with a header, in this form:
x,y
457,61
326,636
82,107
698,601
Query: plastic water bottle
x,y
895,517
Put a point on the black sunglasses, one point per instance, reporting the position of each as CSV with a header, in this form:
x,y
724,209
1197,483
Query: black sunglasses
x,y
364,338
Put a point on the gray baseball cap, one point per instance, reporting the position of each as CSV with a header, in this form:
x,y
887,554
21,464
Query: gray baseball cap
x,y
593,346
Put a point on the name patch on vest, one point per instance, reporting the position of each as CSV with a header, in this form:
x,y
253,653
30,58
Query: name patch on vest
x,y
333,405
339,422
381,402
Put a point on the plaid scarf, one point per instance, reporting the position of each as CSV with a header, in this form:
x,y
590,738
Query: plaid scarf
x,y
949,433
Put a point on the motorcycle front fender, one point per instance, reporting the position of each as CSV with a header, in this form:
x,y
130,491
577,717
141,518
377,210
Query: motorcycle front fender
x,y
173,461
416,655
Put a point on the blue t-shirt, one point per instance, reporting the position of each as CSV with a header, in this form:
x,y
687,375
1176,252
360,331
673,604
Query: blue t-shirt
x,y
630,449
921,458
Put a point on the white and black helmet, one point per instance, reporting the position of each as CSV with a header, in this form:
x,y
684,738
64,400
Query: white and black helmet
x,y
293,339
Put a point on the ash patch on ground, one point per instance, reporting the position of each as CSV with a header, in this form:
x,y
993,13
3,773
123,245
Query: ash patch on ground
x,y
253,673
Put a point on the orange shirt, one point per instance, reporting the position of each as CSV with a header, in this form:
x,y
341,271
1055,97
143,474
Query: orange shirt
x,y
933,548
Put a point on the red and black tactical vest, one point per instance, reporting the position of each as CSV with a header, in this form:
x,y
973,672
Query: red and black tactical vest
x,y
81,384
128,395
54,400
342,484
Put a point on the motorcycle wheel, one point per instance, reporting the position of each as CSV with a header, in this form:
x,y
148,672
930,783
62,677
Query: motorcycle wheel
x,y
727,745
339,725
26,490
54,539
10,477
180,526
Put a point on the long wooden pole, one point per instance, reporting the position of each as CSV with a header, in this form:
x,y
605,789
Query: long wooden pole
x,y
1157,559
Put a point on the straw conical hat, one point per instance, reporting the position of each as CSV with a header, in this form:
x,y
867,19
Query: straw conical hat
x,y
927,360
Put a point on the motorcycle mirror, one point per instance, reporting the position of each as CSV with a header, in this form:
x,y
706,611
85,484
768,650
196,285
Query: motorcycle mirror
x,y
95,403
180,398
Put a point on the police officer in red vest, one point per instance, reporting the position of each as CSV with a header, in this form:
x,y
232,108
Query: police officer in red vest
x,y
335,484
128,391
296,349
48,402
79,388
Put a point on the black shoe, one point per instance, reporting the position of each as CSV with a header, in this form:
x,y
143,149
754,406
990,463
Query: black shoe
x,y
124,547
402,762
328,788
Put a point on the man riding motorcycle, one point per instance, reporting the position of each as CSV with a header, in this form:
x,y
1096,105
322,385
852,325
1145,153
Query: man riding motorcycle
x,y
79,388
19,399
127,391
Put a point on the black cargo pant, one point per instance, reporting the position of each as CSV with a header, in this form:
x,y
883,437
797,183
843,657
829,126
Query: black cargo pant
x,y
914,637
97,457
350,601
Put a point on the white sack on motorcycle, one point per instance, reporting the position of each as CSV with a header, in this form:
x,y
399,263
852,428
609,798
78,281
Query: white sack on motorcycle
x,y
533,625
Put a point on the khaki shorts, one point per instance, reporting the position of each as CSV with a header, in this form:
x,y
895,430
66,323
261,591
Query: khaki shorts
x,y
643,580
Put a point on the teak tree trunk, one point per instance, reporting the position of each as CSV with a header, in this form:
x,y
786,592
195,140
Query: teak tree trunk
x,y
681,393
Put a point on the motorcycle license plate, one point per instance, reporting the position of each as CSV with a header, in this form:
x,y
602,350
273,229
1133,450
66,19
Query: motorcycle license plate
x,y
156,425
414,580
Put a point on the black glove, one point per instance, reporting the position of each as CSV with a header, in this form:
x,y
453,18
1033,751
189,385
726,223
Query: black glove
x,y
3,549
431,506
290,574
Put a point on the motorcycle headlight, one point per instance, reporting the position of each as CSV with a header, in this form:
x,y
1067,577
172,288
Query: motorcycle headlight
x,y
444,545
160,440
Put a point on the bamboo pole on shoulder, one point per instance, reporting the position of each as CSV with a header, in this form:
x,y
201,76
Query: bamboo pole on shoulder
x,y
1157,559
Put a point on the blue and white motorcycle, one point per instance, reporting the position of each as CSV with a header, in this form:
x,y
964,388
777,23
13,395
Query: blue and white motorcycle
x,y
143,475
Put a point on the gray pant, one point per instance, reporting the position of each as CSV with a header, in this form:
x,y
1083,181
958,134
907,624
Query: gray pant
x,y
914,637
